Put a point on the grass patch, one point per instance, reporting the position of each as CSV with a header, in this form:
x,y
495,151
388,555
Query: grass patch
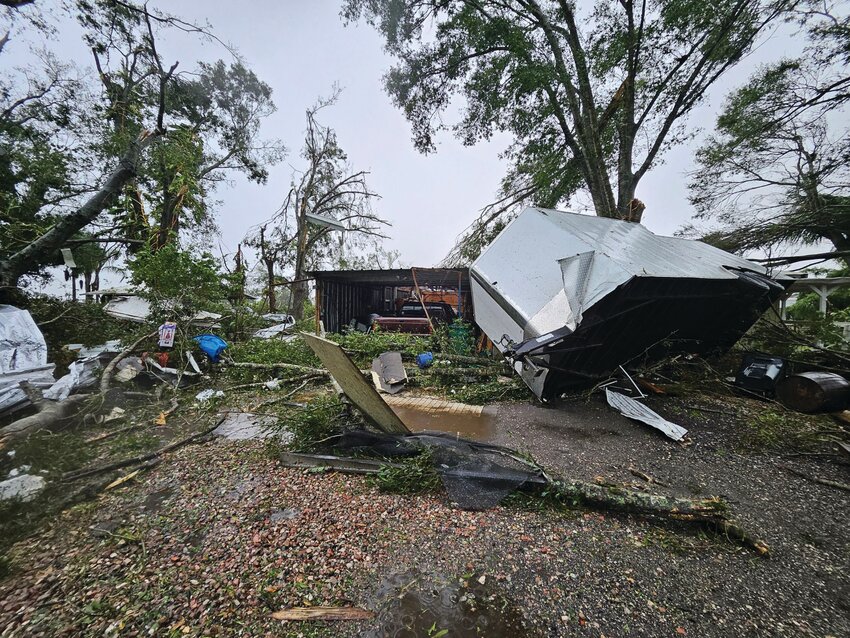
x,y
492,392
769,427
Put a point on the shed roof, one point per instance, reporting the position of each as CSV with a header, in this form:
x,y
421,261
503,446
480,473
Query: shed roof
x,y
447,277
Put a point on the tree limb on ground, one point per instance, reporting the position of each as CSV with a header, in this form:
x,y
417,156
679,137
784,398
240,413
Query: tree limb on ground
x,y
709,512
706,513
137,460
815,479
278,366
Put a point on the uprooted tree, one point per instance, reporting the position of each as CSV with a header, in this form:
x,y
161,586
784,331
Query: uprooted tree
x,y
592,98
775,173
327,188
152,143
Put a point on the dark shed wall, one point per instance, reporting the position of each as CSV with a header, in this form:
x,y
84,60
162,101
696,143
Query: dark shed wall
x,y
346,294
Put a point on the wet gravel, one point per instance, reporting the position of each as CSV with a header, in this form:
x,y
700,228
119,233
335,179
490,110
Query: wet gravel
x,y
218,536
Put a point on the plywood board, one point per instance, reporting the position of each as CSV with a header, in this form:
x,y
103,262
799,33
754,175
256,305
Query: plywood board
x,y
359,391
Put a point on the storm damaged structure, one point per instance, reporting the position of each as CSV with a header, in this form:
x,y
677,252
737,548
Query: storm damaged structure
x,y
569,298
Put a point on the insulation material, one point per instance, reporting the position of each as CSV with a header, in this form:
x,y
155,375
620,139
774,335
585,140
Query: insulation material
x,y
570,297
23,357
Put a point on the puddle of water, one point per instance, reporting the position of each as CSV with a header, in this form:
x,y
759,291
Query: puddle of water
x,y
479,427
241,426
154,501
410,607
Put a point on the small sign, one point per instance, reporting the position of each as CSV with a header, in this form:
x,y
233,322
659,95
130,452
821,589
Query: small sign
x,y
167,331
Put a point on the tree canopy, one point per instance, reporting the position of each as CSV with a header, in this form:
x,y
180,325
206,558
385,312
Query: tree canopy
x,y
592,98
129,150
776,172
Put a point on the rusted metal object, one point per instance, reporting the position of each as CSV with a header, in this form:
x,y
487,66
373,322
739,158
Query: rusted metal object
x,y
814,392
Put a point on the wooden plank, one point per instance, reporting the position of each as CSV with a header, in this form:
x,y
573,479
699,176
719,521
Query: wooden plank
x,y
323,613
359,391
338,463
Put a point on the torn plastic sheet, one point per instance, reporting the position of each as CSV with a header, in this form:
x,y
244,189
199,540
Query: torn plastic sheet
x,y
81,375
272,331
23,357
279,317
569,298
632,409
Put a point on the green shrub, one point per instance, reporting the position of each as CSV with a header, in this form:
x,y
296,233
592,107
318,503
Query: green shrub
x,y
315,423
413,475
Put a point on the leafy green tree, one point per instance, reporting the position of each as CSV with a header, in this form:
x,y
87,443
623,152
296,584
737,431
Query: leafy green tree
x,y
155,144
36,170
178,283
776,171
591,97
214,116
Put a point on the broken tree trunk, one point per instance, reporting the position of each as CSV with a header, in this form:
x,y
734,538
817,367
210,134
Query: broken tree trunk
x,y
50,415
710,512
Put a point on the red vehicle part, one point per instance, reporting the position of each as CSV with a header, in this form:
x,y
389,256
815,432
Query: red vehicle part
x,y
409,325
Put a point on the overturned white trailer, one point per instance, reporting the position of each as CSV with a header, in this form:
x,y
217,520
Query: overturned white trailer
x,y
569,298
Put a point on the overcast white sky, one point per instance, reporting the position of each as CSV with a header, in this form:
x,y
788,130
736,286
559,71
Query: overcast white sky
x,y
301,49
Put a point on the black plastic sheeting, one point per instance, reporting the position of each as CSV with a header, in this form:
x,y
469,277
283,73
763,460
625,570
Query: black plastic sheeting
x,y
476,475
647,319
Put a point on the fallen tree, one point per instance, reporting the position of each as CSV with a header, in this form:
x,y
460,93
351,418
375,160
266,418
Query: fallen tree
x,y
49,416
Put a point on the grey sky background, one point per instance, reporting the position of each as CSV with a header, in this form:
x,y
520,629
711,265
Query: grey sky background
x,y
302,48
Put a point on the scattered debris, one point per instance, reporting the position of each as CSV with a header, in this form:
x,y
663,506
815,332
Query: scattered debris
x,y
205,395
122,480
569,298
388,373
283,324
129,305
24,487
212,345
323,613
356,388
632,409
106,377
760,373
81,375
84,352
23,358
424,360
167,332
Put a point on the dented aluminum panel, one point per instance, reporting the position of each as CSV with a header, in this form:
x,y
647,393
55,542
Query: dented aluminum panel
x,y
570,297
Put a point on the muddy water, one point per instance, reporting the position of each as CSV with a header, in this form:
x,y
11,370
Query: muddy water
x,y
411,607
478,427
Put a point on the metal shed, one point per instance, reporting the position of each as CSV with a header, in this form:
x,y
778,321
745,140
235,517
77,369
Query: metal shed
x,y
343,295
571,297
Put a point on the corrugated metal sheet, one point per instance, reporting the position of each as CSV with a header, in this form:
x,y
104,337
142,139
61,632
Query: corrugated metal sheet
x,y
602,288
